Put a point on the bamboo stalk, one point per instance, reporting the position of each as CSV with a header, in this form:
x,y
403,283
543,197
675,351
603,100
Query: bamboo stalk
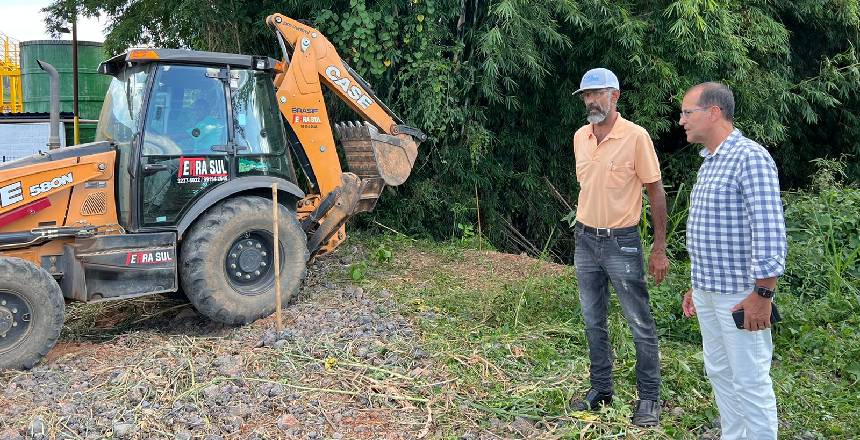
x,y
478,208
277,257
557,194
526,243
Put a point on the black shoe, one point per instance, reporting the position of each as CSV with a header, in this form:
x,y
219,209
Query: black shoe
x,y
592,400
647,413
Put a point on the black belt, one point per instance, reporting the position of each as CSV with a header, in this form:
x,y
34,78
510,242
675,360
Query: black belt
x,y
606,232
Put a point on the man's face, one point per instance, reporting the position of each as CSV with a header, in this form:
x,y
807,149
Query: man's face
x,y
694,118
598,103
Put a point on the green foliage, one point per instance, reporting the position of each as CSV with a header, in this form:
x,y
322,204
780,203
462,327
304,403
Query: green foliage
x,y
678,206
824,330
824,246
381,257
233,26
357,271
383,254
467,231
490,82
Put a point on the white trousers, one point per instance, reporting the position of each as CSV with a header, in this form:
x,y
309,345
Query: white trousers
x,y
737,363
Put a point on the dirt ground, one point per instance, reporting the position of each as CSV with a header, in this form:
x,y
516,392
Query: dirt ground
x,y
348,366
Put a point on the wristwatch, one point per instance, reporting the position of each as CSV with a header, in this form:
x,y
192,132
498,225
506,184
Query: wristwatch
x,y
764,292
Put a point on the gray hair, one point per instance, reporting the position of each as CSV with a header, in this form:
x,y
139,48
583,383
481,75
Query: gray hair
x,y
719,95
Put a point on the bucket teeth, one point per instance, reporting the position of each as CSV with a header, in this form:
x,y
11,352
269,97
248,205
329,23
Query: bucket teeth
x,y
371,154
354,130
358,146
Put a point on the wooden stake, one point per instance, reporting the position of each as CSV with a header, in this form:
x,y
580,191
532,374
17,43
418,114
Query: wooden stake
x,y
279,326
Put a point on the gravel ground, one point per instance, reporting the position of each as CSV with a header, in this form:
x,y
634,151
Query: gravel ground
x,y
346,367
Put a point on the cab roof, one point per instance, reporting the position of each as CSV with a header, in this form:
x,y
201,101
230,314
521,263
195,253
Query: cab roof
x,y
185,56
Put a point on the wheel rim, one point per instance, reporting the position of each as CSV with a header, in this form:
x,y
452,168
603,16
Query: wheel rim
x,y
16,319
249,262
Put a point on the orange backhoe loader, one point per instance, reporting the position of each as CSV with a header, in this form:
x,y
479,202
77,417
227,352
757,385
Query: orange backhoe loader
x,y
176,190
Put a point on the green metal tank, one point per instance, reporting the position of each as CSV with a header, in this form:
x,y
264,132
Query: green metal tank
x,y
36,84
86,132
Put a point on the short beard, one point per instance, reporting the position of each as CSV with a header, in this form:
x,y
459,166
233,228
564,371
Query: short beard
x,y
596,118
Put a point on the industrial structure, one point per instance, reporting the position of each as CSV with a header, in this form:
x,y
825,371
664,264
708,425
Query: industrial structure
x,y
11,98
36,86
26,99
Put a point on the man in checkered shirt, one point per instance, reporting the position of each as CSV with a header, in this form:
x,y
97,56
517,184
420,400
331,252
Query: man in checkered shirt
x,y
737,245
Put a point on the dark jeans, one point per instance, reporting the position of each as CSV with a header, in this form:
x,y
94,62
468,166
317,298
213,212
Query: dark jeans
x,y
617,259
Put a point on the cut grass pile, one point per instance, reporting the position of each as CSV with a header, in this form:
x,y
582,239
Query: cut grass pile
x,y
509,331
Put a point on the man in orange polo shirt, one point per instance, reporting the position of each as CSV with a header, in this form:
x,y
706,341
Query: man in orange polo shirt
x,y
615,158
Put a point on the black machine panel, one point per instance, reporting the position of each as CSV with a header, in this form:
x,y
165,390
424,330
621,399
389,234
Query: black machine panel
x,y
118,266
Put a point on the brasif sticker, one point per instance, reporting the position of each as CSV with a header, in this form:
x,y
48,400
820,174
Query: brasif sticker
x,y
306,117
201,169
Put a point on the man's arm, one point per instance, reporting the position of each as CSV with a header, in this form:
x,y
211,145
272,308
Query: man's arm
x,y
658,262
759,183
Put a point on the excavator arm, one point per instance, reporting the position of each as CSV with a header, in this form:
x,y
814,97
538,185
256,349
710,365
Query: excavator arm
x,y
380,150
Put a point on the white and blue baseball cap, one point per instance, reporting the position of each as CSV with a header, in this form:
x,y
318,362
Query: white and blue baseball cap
x,y
599,78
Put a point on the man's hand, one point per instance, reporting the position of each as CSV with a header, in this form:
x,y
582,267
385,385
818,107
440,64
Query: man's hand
x,y
756,312
687,304
658,264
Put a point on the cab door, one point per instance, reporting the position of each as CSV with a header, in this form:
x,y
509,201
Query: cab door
x,y
258,131
184,148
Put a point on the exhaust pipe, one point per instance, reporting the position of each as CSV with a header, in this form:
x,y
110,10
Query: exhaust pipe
x,y
54,138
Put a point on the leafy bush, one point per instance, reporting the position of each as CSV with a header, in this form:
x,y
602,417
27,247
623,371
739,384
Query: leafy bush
x,y
824,245
822,279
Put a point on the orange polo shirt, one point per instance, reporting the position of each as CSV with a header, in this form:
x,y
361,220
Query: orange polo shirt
x,y
611,174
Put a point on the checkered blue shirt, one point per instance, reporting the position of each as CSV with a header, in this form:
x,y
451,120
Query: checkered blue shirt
x,y
735,228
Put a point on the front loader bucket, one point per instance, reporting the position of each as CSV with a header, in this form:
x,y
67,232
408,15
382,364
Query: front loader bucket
x,y
371,154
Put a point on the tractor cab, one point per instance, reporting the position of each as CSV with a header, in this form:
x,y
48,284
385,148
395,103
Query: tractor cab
x,y
184,122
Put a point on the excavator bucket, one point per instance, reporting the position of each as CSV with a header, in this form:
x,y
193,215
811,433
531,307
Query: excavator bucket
x,y
371,154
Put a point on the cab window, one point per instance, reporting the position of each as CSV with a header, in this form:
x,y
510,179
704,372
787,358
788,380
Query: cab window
x,y
119,121
187,113
256,120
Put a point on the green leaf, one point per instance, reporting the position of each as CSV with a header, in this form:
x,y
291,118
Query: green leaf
x,y
357,271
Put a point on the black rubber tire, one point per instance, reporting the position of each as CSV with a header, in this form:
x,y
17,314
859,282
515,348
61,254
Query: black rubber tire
x,y
204,260
23,281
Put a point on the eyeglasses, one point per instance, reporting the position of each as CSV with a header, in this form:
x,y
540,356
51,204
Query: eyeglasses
x,y
687,113
593,93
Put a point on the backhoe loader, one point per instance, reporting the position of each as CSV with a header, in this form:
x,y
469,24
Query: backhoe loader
x,y
176,191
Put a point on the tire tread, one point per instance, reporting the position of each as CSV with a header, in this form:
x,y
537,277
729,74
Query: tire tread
x,y
197,278
36,281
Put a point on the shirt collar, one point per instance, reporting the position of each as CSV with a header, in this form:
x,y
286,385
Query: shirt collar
x,y
725,145
619,128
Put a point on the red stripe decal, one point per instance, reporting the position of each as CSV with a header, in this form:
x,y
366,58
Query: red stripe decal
x,y
23,211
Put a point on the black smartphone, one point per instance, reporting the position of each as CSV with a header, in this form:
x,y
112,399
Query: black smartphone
x,y
739,316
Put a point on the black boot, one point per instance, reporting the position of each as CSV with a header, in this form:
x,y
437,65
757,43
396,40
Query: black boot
x,y
591,401
647,413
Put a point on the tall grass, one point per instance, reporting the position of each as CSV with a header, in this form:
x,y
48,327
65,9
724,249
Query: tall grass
x,y
824,243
